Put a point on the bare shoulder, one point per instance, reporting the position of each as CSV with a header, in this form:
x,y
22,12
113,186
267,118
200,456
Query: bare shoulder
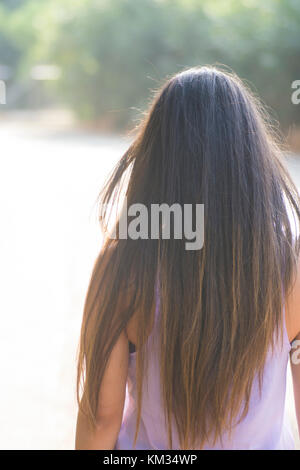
x,y
125,295
292,307
132,328
133,324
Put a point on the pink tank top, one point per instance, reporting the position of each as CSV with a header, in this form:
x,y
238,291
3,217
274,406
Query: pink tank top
x,y
264,427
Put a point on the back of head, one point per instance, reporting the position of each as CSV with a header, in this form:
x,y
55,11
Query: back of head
x,y
205,140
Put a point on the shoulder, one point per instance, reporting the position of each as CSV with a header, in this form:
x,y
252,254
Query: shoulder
x,y
292,306
126,294
136,324
106,260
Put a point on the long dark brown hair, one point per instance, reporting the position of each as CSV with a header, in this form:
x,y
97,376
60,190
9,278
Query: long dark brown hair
x,y
206,139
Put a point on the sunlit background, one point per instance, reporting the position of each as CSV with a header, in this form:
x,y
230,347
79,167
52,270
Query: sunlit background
x,y
76,76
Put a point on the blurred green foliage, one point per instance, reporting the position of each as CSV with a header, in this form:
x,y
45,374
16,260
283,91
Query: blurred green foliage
x,y
112,52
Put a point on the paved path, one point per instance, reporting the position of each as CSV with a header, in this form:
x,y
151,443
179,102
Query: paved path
x,y
49,238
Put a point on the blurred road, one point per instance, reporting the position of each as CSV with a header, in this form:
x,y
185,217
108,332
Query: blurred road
x,y
49,238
